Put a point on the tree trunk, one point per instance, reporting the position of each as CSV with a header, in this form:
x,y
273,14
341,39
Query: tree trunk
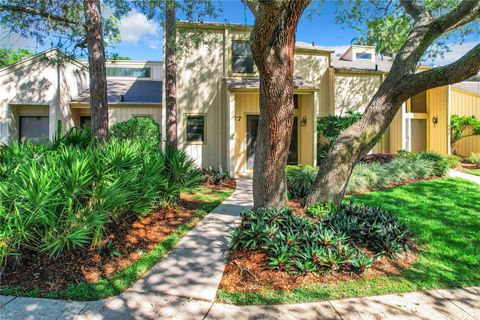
x,y
273,43
97,69
352,145
171,74
401,83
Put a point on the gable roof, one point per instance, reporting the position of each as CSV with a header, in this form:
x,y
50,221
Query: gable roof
x,y
254,83
470,86
133,91
382,65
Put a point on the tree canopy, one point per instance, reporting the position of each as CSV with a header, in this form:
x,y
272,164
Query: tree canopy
x,y
9,56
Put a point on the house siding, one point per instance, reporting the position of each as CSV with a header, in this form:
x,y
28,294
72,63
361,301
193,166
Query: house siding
x,y
466,103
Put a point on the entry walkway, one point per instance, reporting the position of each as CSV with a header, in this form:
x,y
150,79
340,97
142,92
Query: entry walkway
x,y
184,284
458,174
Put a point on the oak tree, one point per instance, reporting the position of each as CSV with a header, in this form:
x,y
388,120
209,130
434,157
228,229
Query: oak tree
x,y
273,41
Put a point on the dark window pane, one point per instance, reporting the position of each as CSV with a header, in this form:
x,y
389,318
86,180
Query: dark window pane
x,y
195,128
128,72
242,60
33,129
243,65
364,55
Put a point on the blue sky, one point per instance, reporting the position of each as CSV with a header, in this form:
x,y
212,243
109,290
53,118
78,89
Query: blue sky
x,y
143,36
142,39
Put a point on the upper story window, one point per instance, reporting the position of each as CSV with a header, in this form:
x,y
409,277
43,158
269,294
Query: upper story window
x,y
128,72
363,55
242,59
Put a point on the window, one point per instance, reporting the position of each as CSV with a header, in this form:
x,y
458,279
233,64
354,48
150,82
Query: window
x,y
128,72
363,55
295,101
242,60
195,128
418,103
33,129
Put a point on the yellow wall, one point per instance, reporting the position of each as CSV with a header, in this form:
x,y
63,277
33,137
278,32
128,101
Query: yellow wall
x,y
353,91
466,103
437,106
117,113
395,133
248,104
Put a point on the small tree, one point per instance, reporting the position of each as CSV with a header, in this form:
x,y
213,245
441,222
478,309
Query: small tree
x,y
462,127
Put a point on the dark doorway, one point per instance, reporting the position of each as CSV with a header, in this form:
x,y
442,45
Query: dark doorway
x,y
252,130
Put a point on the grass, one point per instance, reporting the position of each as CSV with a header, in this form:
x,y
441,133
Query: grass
x,y
444,215
116,284
474,172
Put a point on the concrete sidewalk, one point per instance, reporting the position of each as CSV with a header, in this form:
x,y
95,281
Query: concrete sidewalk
x,y
458,174
455,304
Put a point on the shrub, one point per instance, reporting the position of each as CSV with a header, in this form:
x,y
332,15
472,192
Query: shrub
x,y
321,210
142,128
298,244
453,160
373,228
78,137
215,177
329,128
58,198
475,159
378,157
300,180
441,164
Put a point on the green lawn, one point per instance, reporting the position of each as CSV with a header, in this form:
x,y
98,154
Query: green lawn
x,y
474,172
444,215
210,199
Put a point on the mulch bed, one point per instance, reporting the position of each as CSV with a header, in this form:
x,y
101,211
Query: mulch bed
x,y
246,270
124,244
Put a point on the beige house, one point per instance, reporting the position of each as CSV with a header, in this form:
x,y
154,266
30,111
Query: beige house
x,y
49,92
218,100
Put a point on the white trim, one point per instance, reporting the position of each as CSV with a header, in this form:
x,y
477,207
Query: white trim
x,y
403,124
231,133
449,113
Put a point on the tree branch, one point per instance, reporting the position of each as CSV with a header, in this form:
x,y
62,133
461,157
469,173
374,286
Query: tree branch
x,y
460,70
465,12
415,9
36,12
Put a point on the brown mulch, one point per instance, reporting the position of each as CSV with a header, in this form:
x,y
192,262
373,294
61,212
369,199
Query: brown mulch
x,y
125,243
246,272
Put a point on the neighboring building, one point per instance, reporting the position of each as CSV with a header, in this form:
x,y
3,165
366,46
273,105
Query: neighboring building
x,y
218,99
40,95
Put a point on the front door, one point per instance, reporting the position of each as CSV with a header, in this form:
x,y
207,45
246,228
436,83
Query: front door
x,y
252,130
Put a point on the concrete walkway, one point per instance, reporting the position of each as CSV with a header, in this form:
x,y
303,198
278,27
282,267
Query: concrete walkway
x,y
458,174
183,286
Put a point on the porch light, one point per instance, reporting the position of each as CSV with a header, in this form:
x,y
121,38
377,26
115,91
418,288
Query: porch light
x,y
435,121
303,122
238,118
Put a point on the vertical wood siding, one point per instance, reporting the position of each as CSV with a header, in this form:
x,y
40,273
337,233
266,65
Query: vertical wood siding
x,y
248,104
466,103
437,106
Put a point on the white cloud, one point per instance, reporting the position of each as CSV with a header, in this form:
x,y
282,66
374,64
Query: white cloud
x,y
136,26
456,52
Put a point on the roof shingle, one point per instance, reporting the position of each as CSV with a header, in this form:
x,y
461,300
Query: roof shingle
x,y
133,91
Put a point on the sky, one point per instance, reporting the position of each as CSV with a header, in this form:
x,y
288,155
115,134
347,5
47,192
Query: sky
x,y
142,39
